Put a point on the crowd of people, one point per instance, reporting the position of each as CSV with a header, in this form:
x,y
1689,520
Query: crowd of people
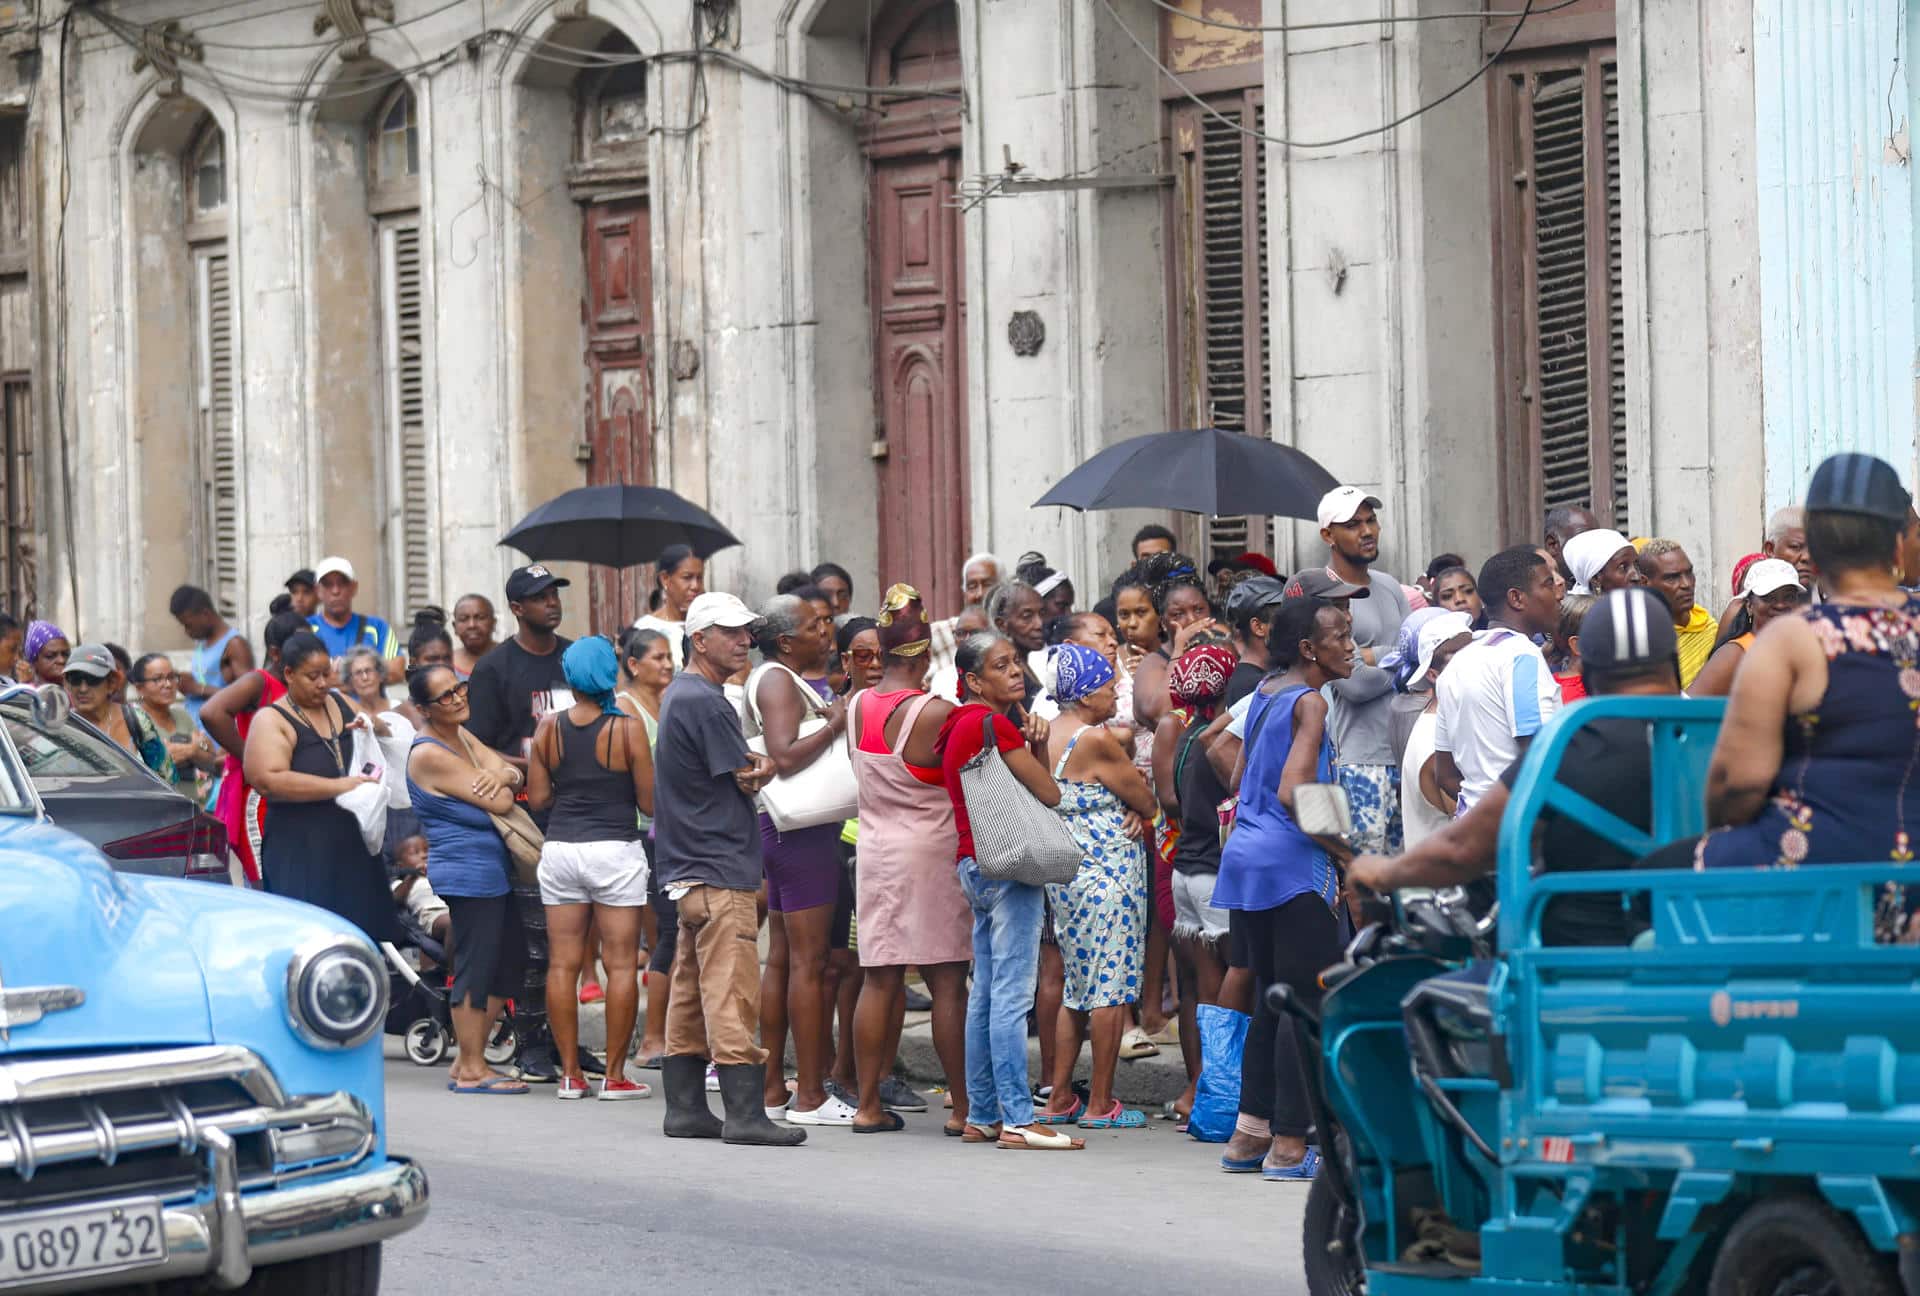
x,y
597,820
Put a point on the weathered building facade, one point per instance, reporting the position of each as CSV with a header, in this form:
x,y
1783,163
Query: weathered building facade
x,y
862,276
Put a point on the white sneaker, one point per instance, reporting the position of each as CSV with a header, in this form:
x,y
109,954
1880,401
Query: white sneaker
x,y
776,1114
830,1112
713,1078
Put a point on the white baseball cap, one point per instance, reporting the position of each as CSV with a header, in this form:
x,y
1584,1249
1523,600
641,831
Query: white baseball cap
x,y
1436,633
1768,575
716,609
334,563
1342,502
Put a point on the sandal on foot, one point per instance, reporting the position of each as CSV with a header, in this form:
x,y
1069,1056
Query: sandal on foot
x,y
980,1134
1032,1139
1117,1118
954,1131
498,1084
1067,1117
1135,1044
890,1122
1308,1167
1243,1165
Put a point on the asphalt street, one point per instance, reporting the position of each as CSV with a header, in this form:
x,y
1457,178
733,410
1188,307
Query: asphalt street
x,y
532,1194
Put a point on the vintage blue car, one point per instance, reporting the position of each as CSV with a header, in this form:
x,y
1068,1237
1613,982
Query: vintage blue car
x,y
190,1082
1730,1105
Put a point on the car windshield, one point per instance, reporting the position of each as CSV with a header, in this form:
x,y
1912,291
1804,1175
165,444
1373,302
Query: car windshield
x,y
16,797
70,751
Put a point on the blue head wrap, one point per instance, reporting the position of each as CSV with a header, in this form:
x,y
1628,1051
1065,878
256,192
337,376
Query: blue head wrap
x,y
592,671
1078,671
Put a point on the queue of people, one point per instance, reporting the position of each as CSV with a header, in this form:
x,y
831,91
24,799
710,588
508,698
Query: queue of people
x,y
590,820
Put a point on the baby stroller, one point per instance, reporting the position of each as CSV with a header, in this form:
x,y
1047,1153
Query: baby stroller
x,y
419,1008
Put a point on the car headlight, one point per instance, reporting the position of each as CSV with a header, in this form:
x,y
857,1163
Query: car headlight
x,y
336,993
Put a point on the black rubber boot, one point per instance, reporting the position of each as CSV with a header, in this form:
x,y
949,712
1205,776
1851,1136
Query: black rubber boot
x,y
743,1089
684,1077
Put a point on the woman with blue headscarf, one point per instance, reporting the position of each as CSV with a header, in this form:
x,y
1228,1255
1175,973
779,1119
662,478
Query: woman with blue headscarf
x,y
592,765
1099,918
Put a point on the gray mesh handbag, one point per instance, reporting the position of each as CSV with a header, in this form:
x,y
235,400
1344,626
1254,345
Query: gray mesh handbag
x,y
1015,837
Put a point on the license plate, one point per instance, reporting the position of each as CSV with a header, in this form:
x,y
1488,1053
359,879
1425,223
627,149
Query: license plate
x,y
43,1245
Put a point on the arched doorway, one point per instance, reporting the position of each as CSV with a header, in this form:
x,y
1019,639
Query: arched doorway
x,y
915,250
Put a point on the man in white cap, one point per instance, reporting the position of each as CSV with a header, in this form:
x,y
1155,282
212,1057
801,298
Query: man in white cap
x,y
707,856
1350,524
342,629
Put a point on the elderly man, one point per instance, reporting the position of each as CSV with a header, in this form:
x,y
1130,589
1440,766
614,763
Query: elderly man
x,y
341,628
1563,524
1670,573
978,576
1787,540
707,853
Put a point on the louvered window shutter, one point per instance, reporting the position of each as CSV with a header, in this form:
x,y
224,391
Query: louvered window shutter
x,y
1223,299
219,451
1566,431
403,278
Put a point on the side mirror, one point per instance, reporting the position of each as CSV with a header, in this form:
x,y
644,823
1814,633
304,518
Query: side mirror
x,y
1322,810
51,706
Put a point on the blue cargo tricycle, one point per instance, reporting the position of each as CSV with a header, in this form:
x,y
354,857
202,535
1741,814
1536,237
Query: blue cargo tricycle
x,y
1730,1106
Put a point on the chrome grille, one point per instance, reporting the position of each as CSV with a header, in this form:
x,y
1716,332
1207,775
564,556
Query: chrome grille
x,y
73,1128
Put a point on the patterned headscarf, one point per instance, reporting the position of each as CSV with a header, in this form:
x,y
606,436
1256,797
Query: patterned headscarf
x,y
592,671
39,635
1078,671
902,622
1198,680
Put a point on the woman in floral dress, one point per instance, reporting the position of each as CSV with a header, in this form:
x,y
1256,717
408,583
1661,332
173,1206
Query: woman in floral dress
x,y
1100,918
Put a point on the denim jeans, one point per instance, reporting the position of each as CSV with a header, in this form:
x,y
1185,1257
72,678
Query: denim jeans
x,y
1006,962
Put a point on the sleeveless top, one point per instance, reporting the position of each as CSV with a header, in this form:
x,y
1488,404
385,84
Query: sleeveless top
x,y
465,856
1268,860
591,803
901,809
871,737
1846,791
206,666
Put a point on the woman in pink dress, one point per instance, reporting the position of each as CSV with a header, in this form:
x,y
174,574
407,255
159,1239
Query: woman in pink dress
x,y
910,910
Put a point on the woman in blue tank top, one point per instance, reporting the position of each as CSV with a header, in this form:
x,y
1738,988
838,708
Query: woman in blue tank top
x,y
1279,883
456,785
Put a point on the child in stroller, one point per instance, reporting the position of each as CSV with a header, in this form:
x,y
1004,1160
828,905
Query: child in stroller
x,y
419,969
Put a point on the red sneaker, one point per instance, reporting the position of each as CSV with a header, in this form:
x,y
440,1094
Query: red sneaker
x,y
572,1090
591,993
622,1090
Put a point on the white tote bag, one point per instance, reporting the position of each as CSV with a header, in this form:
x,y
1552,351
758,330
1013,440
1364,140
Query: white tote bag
x,y
368,802
825,791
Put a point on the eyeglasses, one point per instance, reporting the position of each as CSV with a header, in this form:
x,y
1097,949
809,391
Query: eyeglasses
x,y
457,691
171,677
866,656
79,681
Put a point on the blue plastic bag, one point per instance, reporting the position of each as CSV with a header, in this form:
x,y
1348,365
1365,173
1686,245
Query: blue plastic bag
x,y
1216,1099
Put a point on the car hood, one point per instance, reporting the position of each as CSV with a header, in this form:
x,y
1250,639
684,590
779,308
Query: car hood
x,y
71,921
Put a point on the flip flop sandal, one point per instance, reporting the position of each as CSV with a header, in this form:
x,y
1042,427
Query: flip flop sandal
x,y
1019,1141
980,1134
955,1131
1118,1118
492,1086
893,1123
1308,1167
1067,1117
1250,1165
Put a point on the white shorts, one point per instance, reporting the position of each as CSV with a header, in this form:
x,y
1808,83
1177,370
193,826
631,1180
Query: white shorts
x,y
602,872
1193,911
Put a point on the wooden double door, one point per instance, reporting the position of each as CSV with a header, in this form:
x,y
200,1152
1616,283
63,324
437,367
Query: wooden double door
x,y
619,364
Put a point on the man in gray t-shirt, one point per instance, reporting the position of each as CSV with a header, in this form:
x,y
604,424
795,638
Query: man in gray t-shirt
x,y
707,851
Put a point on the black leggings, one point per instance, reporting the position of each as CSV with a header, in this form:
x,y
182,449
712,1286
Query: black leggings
x,y
1291,945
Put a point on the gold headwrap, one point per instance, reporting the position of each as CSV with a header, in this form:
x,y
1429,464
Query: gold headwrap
x,y
897,599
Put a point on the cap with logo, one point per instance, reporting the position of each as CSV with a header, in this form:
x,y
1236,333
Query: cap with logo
x,y
1246,599
332,564
1628,628
1858,483
525,582
91,660
1768,575
1342,502
1318,582
716,609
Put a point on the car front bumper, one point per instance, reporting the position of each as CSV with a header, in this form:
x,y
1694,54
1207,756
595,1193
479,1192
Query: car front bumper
x,y
230,1235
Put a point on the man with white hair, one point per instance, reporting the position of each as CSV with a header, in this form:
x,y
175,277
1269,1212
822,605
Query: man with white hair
x,y
1787,540
978,576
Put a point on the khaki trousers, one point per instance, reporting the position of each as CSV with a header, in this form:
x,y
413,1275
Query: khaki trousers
x,y
715,1008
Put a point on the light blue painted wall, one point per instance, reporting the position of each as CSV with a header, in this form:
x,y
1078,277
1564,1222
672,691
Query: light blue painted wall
x,y
1832,110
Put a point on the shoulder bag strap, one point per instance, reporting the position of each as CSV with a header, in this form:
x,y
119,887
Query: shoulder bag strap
x,y
1186,745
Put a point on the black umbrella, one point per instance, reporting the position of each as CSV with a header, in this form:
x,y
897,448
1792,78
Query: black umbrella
x,y
1207,471
616,526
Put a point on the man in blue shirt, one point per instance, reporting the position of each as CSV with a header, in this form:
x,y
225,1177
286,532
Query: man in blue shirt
x,y
341,628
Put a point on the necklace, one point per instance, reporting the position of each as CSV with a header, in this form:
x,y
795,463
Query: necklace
x,y
331,739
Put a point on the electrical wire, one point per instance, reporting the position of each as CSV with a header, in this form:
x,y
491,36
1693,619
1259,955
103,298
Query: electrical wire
x,y
323,43
1401,120
1335,23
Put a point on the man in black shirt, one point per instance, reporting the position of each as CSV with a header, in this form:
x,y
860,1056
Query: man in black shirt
x,y
510,689
1627,646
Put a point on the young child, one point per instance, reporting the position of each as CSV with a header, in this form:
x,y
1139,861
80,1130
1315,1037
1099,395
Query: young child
x,y
412,889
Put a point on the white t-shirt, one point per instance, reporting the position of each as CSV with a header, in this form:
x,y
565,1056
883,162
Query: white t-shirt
x,y
1418,818
1496,691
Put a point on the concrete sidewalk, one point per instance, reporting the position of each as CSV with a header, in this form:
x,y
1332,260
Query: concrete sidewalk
x,y
1146,1083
